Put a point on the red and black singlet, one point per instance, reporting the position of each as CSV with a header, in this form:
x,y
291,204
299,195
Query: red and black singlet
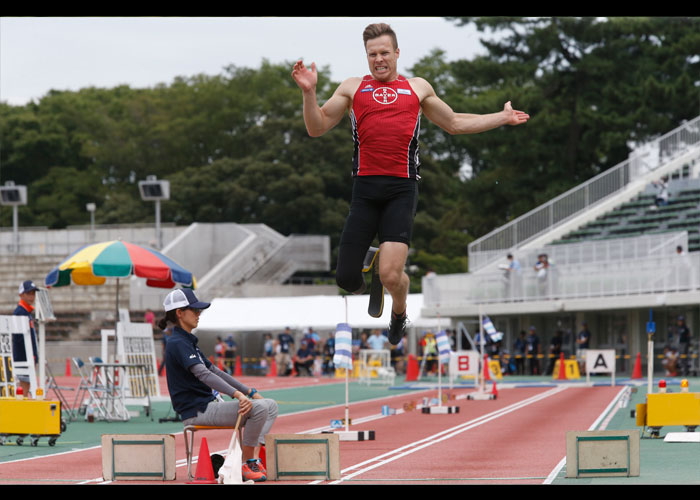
x,y
385,120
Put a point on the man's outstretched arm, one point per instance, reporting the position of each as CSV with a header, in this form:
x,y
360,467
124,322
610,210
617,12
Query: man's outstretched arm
x,y
438,112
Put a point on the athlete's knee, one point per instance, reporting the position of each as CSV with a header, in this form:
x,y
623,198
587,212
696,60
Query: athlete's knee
x,y
392,277
392,260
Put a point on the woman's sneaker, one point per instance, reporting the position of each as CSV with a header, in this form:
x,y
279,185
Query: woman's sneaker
x,y
253,469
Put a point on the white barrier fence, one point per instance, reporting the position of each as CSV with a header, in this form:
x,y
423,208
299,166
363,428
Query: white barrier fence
x,y
651,275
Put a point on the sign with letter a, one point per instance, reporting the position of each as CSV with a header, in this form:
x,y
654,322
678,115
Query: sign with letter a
x,y
600,361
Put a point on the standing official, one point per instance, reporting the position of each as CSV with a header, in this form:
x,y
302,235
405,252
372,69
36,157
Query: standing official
x,y
27,297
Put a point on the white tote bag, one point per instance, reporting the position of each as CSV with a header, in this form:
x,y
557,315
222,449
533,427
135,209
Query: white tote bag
x,y
230,471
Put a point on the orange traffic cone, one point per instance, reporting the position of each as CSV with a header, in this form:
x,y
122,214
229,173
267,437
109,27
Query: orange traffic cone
x,y
205,470
68,373
238,370
494,391
272,372
562,367
637,372
412,369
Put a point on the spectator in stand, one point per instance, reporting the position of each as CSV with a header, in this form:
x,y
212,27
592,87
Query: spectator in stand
x,y
328,368
284,348
304,360
662,196
360,344
219,352
555,350
314,338
519,351
230,355
684,335
429,347
670,361
512,279
268,349
533,351
150,318
377,341
583,342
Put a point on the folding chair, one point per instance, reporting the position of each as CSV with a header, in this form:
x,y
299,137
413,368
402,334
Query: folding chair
x,y
82,389
52,385
90,390
107,393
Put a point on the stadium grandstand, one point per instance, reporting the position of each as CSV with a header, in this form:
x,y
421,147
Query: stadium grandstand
x,y
616,257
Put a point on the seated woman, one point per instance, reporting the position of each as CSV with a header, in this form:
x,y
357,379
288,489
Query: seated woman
x,y
192,378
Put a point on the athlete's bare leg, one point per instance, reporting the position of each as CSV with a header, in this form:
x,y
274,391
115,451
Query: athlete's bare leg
x,y
392,261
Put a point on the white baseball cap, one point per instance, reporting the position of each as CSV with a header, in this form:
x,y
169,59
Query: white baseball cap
x,y
183,298
27,286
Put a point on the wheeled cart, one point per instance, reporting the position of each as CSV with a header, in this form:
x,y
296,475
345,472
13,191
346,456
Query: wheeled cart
x,y
30,418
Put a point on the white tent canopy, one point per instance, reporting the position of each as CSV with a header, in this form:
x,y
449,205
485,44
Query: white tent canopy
x,y
321,312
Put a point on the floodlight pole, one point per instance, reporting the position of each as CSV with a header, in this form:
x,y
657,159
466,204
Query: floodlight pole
x,y
15,229
159,235
13,196
91,208
155,190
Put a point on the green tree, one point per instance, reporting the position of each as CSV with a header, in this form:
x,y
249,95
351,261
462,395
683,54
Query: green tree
x,y
593,87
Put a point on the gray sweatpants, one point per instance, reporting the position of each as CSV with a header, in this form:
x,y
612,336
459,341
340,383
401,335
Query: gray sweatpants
x,y
256,423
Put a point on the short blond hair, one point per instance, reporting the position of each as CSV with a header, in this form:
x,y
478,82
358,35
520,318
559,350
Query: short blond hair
x,y
379,29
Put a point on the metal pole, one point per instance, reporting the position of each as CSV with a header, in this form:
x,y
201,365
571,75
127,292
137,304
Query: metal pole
x,y
15,228
159,238
347,381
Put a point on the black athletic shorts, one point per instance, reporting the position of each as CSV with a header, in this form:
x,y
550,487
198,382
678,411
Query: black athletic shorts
x,y
381,206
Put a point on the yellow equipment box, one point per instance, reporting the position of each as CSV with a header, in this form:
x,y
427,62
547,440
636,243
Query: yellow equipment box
x,y
30,417
664,409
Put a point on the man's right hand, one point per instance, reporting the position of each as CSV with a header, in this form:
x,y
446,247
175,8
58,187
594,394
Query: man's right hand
x,y
306,78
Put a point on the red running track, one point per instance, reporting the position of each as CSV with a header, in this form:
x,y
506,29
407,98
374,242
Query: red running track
x,y
519,438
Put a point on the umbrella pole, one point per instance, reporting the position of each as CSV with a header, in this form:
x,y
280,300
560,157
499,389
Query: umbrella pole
x,y
116,321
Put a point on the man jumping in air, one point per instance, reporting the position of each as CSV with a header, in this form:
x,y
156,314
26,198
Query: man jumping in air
x,y
385,110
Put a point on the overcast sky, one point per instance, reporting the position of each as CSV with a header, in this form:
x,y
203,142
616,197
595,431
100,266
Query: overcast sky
x,y
38,54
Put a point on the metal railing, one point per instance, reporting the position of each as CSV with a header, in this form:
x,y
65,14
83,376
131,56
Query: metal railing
x,y
44,241
658,274
643,160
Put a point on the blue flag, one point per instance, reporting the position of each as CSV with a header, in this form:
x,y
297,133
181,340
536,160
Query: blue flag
x,y
343,346
488,326
443,346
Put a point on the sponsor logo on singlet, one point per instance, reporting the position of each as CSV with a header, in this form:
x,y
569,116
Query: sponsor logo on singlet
x,y
385,95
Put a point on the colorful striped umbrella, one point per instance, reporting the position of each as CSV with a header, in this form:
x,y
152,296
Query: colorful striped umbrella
x,y
92,264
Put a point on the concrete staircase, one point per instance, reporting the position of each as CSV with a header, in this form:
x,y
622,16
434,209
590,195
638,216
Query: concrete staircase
x,y
227,260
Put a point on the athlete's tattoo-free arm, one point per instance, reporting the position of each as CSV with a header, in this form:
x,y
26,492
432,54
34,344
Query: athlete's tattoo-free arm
x,y
438,112
319,120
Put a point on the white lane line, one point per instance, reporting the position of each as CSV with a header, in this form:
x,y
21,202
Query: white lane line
x,y
405,450
623,392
